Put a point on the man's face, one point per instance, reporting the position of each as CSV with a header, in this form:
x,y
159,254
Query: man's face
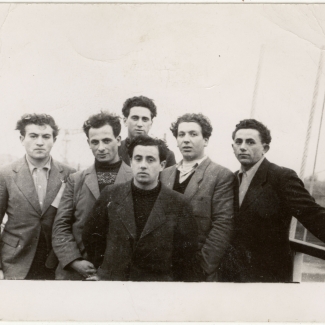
x,y
190,141
38,141
139,121
248,147
103,144
146,166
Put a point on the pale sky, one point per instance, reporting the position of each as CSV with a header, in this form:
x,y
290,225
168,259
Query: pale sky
x,y
71,61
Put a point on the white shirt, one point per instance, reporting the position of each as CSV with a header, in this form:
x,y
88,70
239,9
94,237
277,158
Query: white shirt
x,y
187,168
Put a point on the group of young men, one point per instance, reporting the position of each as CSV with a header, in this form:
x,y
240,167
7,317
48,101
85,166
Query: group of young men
x,y
136,215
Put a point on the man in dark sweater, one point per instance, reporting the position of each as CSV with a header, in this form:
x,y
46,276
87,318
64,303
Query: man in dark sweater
x,y
82,190
141,230
138,115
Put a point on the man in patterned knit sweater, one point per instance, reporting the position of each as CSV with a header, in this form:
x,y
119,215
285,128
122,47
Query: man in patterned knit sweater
x,y
82,190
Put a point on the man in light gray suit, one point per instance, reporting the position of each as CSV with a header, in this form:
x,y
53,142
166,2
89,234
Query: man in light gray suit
x,y
29,195
207,185
82,190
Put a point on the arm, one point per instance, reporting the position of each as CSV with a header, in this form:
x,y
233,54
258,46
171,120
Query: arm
x,y
95,230
3,208
63,241
185,264
302,205
222,223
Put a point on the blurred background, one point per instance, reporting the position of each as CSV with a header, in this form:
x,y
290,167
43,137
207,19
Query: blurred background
x,y
229,62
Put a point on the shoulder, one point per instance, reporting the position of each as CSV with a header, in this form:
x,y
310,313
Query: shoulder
x,y
125,166
173,198
215,170
116,191
7,170
67,169
280,173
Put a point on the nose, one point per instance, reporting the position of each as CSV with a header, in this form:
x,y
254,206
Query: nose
x,y
242,147
186,138
143,164
39,141
101,146
140,122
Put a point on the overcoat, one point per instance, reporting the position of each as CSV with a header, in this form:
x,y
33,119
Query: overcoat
x,y
165,250
210,192
26,219
261,250
80,195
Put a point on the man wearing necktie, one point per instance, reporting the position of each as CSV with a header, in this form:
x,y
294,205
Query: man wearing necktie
x,y
207,186
267,196
30,191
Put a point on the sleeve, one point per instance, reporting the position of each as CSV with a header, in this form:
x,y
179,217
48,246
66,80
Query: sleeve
x,y
95,230
3,203
301,205
170,159
222,223
185,263
63,241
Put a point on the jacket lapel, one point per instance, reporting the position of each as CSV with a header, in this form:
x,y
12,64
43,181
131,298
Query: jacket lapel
x,y
157,216
124,174
25,183
256,187
125,210
193,185
168,176
53,185
92,181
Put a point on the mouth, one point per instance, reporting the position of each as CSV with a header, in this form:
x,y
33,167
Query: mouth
x,y
101,155
143,174
139,131
187,148
243,156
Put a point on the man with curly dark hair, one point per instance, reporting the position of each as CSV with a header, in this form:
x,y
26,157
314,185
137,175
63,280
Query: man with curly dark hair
x,y
207,185
82,191
139,113
30,190
267,196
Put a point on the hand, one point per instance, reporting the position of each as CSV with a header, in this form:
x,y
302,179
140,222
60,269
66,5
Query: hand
x,y
1,275
83,267
93,278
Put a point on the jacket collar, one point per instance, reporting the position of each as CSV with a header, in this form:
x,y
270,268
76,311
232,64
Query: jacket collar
x,y
25,183
255,188
126,210
124,174
193,186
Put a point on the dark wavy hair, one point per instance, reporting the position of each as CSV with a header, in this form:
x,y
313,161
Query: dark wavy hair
x,y
199,118
265,133
145,140
140,101
38,119
96,121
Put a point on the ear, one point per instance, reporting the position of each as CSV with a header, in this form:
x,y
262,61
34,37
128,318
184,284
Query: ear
x,y
162,165
206,142
118,139
266,147
88,142
125,121
22,138
54,139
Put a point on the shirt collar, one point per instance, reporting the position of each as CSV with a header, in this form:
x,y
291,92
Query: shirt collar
x,y
253,170
47,166
193,164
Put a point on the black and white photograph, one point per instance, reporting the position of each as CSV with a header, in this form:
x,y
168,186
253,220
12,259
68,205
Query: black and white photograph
x,y
162,162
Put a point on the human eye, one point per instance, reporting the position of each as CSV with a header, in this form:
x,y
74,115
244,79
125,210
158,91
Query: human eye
x,y
94,142
145,119
238,141
250,142
47,136
181,134
107,141
193,134
134,118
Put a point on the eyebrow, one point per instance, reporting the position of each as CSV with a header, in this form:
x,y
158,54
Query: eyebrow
x,y
33,133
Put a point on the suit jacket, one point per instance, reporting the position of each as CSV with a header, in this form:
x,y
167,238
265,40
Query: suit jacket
x,y
80,194
261,250
123,153
18,198
210,192
166,248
